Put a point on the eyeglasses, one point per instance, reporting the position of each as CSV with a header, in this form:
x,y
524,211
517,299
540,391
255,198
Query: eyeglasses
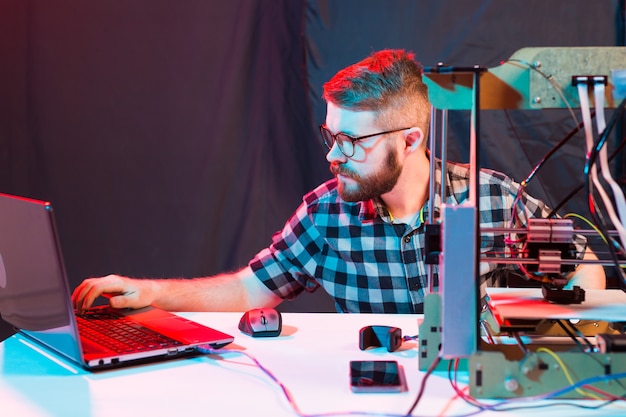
x,y
346,142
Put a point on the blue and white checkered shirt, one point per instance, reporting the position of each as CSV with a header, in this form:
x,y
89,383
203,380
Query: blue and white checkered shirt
x,y
367,263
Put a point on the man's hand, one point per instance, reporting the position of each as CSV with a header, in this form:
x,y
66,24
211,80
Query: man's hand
x,y
122,292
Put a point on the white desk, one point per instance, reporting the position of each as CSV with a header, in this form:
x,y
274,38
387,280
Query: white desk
x,y
310,357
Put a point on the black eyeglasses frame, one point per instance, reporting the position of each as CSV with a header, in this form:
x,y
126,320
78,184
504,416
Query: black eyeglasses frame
x,y
329,138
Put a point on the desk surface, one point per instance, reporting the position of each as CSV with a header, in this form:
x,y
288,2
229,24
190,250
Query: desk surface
x,y
310,357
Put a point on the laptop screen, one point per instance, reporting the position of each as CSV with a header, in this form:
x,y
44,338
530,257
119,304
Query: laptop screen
x,y
34,293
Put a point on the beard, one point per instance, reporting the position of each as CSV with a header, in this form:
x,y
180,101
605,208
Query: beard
x,y
372,186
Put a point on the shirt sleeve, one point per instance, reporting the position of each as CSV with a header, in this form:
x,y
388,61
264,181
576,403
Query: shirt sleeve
x,y
287,266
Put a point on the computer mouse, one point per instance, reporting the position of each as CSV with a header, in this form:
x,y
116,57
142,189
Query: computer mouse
x,y
261,322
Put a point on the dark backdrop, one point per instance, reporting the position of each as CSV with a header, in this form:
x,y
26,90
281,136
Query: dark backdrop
x,y
174,138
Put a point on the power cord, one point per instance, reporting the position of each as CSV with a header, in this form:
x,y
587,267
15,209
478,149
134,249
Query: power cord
x,y
506,405
211,351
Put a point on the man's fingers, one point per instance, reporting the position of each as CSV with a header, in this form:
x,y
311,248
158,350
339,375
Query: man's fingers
x,y
86,293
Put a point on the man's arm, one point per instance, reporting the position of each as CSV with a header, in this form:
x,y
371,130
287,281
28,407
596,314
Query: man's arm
x,y
237,291
588,276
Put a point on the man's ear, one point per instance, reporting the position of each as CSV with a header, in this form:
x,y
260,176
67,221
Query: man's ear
x,y
414,139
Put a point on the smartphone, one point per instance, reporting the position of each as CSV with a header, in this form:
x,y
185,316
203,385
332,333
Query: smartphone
x,y
377,376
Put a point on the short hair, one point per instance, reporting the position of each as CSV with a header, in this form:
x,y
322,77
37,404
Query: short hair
x,y
388,82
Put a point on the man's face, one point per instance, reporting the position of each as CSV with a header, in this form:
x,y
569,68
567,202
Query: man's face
x,y
374,168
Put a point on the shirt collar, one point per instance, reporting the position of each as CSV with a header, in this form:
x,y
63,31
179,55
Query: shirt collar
x,y
453,195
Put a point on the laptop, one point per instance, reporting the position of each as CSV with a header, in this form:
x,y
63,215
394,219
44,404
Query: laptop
x,y
35,299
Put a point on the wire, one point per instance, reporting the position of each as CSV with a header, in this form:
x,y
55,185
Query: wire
x,y
524,403
552,151
579,125
422,388
563,367
516,251
289,397
453,381
614,247
557,87
592,168
582,185
506,405
284,389
518,247
588,222
618,194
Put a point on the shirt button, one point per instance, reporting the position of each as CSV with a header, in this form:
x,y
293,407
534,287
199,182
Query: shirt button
x,y
407,239
415,287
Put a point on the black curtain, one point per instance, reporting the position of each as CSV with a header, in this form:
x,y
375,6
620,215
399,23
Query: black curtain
x,y
474,32
173,138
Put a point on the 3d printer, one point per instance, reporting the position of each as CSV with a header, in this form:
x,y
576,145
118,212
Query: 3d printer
x,y
526,342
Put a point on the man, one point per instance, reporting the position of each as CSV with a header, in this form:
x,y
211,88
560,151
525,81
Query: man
x,y
360,236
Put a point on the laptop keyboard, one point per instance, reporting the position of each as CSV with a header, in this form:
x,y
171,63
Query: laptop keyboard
x,y
120,334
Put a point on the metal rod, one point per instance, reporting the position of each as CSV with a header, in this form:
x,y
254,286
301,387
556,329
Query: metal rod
x,y
535,261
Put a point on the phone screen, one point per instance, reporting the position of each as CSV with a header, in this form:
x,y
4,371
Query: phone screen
x,y
376,376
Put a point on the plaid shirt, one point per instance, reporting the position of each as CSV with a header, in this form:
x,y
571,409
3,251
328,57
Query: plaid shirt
x,y
367,263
